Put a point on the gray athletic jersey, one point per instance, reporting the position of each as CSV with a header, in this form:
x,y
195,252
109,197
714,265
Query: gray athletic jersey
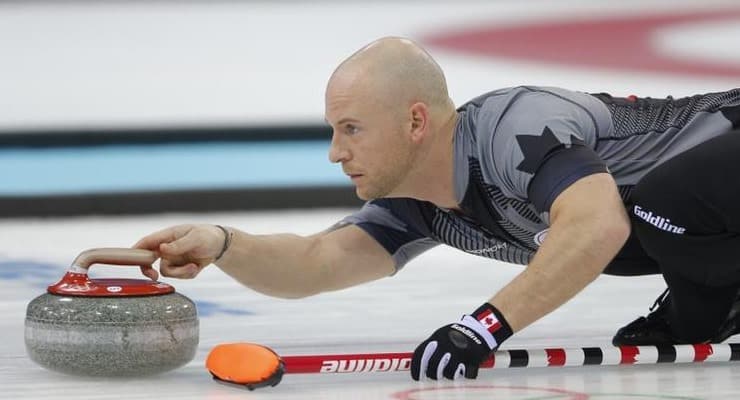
x,y
517,149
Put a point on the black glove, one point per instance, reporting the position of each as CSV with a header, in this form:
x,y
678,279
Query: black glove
x,y
459,348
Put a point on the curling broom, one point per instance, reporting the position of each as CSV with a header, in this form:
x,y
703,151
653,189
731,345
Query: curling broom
x,y
252,365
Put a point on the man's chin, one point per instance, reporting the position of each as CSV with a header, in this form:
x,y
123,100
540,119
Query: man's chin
x,y
362,195
365,195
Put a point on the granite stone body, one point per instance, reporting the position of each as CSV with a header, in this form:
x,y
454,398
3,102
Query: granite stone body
x,y
111,336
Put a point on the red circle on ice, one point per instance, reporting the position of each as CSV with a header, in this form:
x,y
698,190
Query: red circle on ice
x,y
626,43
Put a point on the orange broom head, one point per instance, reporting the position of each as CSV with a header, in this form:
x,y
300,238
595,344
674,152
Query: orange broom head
x,y
247,364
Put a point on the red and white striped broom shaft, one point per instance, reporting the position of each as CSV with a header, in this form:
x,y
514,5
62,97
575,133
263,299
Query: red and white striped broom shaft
x,y
556,357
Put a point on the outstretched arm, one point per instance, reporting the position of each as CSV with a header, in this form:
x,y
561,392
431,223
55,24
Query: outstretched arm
x,y
281,265
588,226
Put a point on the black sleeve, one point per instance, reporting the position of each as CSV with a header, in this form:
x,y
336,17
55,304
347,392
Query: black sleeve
x,y
396,224
561,169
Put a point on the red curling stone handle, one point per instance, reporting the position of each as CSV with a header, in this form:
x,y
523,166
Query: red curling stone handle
x,y
76,281
113,256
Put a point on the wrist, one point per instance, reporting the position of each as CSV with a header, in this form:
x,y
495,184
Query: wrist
x,y
488,322
228,236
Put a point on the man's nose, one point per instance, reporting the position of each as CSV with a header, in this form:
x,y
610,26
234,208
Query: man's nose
x,y
337,151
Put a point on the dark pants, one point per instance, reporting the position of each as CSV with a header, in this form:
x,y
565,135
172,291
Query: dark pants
x,y
686,215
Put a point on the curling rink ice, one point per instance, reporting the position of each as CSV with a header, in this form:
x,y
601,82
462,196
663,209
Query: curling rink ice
x,y
390,315
264,63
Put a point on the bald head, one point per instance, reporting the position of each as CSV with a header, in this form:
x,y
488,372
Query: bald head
x,y
392,119
396,70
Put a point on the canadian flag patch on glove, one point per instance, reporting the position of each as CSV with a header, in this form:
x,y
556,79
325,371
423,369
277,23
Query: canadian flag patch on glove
x,y
489,321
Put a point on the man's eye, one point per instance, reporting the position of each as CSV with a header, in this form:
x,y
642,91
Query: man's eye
x,y
351,129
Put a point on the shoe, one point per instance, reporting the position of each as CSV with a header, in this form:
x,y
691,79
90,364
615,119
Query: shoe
x,y
731,326
655,329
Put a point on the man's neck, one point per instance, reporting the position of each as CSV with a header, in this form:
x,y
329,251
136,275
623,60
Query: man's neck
x,y
433,179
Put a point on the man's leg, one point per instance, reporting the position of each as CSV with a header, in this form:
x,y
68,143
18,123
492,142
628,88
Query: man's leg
x,y
686,214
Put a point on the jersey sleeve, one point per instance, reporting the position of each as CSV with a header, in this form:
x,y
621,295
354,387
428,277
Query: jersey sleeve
x,y
542,144
397,224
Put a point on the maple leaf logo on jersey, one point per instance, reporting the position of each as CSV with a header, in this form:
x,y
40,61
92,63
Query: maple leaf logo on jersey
x,y
536,147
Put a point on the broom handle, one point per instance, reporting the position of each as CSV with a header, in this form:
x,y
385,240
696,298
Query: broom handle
x,y
556,357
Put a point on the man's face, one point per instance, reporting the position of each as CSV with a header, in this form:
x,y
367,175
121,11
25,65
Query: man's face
x,y
369,139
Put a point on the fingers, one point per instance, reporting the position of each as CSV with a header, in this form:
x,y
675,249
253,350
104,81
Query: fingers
x,y
420,359
453,369
201,242
153,241
178,247
149,272
460,371
471,371
184,250
437,362
430,363
187,271
173,241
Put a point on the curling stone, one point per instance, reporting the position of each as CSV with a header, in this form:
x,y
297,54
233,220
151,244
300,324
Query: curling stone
x,y
111,327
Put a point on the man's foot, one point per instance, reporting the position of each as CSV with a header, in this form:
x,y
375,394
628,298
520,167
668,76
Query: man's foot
x,y
655,329
651,330
731,326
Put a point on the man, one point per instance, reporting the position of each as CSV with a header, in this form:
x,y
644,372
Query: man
x,y
544,177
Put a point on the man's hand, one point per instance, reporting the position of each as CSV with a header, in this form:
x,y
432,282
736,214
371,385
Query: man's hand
x,y
458,349
184,250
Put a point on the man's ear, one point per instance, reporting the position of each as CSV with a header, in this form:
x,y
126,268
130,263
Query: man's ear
x,y
419,115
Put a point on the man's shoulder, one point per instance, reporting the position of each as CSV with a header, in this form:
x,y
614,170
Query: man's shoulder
x,y
512,131
533,96
493,95
528,109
